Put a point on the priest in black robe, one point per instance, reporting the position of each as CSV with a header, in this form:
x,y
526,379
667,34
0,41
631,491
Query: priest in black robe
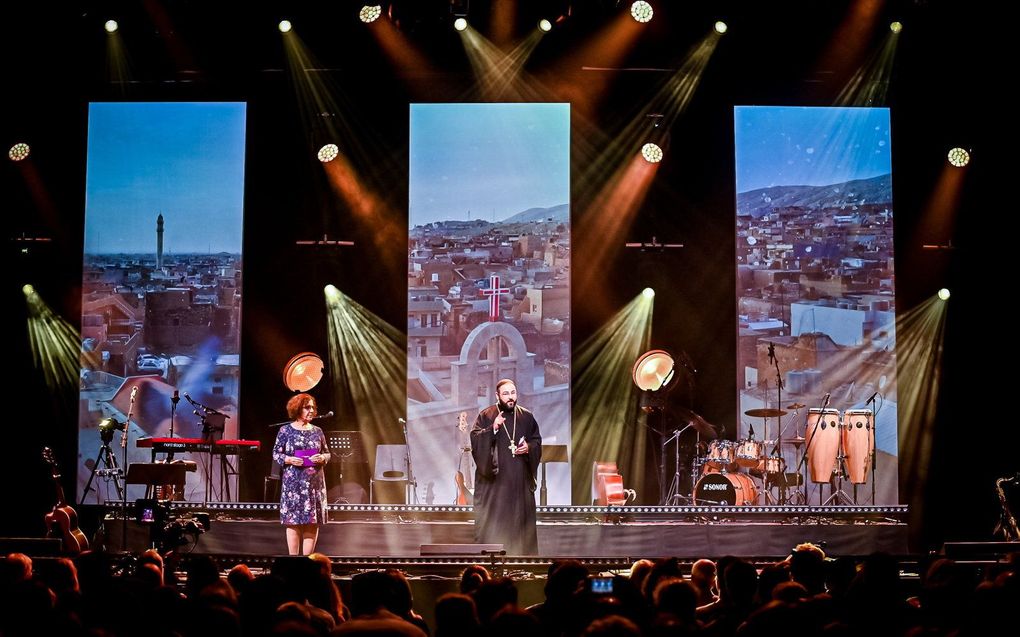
x,y
507,447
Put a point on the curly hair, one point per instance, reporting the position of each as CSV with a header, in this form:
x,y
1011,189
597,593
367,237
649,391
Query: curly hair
x,y
296,403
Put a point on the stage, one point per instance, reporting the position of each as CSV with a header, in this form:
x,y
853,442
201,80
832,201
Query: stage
x,y
620,534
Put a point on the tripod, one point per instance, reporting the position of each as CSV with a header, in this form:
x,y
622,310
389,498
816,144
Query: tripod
x,y
109,471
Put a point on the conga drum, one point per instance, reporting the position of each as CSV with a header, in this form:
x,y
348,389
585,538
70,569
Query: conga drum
x,y
858,443
822,440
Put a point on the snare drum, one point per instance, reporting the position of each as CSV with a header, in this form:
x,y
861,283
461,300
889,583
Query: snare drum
x,y
720,454
733,489
822,440
858,443
749,452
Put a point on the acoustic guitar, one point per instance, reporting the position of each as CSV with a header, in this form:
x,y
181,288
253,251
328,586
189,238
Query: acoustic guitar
x,y
62,521
464,496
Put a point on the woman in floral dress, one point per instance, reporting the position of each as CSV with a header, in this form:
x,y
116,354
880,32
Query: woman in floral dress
x,y
302,451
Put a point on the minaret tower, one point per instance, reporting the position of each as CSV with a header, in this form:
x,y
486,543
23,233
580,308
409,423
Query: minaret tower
x,y
159,242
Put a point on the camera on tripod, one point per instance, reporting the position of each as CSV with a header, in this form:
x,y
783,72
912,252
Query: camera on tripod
x,y
167,530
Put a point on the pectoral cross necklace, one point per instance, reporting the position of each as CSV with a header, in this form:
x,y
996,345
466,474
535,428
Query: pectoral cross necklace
x,y
512,446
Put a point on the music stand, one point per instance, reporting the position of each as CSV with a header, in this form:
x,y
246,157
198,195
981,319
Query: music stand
x,y
153,473
550,453
349,446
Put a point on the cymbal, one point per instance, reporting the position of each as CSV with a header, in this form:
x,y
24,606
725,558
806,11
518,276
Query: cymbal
x,y
702,426
796,442
796,406
764,413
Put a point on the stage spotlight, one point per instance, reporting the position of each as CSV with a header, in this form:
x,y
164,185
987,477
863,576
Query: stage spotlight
x,y
652,374
652,153
460,24
285,26
109,425
544,25
641,11
328,153
958,157
896,27
303,371
370,13
27,289
720,27
648,293
19,151
110,26
944,294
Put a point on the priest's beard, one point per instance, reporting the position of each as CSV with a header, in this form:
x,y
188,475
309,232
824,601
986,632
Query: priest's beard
x,y
507,406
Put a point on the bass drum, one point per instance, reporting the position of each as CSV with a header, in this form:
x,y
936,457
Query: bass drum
x,y
733,489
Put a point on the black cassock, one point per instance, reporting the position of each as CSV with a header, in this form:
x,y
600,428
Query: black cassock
x,y
504,498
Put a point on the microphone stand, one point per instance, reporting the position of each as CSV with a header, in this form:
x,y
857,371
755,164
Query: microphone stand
x,y
412,484
874,445
176,398
779,429
123,450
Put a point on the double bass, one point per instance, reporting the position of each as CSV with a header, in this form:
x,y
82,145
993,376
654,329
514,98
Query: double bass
x,y
62,521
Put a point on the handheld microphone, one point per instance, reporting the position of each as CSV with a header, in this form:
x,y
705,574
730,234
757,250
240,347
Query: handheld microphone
x,y
176,398
872,399
328,414
825,401
772,352
750,431
134,393
400,420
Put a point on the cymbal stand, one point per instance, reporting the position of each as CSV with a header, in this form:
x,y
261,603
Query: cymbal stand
x,y
796,443
673,494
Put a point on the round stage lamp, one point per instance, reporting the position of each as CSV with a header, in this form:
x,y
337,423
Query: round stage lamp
x,y
370,13
958,157
328,153
653,370
641,11
303,372
652,153
19,151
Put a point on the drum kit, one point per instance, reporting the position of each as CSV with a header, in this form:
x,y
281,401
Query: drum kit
x,y
743,472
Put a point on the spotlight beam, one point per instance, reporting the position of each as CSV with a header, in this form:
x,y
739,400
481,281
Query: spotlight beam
x,y
607,423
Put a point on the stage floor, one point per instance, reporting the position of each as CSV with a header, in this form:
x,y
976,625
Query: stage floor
x,y
385,531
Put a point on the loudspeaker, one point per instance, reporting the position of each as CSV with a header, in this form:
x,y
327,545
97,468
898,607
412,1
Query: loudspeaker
x,y
978,550
389,492
294,569
31,546
458,549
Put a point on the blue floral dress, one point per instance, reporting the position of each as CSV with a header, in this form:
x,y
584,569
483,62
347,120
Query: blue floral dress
x,y
302,489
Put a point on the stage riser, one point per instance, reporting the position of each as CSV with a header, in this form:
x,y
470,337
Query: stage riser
x,y
396,539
